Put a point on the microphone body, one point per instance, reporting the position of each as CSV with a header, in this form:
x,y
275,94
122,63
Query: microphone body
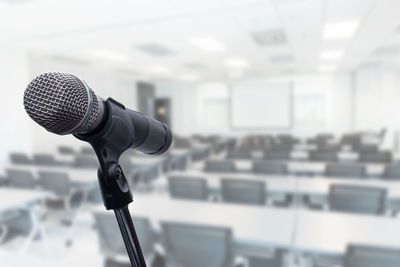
x,y
63,104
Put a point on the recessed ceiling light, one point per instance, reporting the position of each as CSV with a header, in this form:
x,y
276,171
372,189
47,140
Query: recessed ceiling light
x,y
327,68
237,63
208,44
340,30
159,70
108,55
332,55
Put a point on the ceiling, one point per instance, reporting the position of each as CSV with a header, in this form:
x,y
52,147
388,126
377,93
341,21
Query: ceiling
x,y
207,39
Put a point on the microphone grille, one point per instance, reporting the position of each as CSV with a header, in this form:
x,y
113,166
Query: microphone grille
x,y
60,103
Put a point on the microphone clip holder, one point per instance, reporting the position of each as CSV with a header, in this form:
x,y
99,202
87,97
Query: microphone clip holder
x,y
109,143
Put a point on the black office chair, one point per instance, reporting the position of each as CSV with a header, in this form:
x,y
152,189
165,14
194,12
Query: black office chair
x,y
188,187
392,172
282,155
326,156
220,166
86,161
343,170
357,199
43,160
197,245
376,157
21,179
275,260
20,158
239,154
268,167
111,243
243,191
369,256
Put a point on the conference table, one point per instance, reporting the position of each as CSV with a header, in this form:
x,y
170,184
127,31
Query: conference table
x,y
257,229
318,186
297,167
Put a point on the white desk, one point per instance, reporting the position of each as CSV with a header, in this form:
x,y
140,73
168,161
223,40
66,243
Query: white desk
x,y
330,232
373,169
252,226
289,184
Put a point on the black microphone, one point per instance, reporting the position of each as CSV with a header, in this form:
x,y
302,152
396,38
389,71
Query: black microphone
x,y
64,104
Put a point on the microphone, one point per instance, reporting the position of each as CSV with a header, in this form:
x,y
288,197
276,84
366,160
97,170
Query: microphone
x,y
64,104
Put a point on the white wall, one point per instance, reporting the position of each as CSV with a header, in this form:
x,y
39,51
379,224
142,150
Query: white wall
x,y
188,103
104,83
15,124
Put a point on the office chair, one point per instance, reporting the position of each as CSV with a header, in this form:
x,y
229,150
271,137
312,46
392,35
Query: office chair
x,y
343,170
376,157
323,156
20,158
66,150
357,199
188,187
239,154
267,167
283,155
66,196
368,148
177,162
21,179
276,260
111,243
369,256
86,161
220,166
392,172
243,191
197,245
43,160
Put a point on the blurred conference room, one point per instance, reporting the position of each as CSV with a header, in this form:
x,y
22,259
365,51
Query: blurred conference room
x,y
285,121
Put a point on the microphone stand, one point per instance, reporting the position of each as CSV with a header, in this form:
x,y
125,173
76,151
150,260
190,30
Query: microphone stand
x,y
109,144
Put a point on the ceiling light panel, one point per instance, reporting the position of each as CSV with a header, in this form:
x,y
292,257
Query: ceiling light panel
x,y
208,44
340,29
237,63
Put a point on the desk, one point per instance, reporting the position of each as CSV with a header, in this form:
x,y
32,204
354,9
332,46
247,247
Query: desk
x,y
300,167
289,184
330,232
253,227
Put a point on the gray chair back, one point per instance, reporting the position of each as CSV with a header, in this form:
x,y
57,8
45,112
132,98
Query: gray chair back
x,y
342,170
368,256
188,187
357,199
198,246
21,179
20,158
220,166
111,242
56,182
267,167
86,161
239,154
243,191
376,157
323,156
66,150
283,155
392,172
43,159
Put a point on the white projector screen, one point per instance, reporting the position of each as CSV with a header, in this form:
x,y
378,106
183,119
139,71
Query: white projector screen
x,y
261,105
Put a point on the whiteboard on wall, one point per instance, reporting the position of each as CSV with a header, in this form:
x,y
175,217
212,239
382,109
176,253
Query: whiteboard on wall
x,y
261,105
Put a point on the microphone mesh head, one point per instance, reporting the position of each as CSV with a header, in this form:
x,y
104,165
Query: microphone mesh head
x,y
60,103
